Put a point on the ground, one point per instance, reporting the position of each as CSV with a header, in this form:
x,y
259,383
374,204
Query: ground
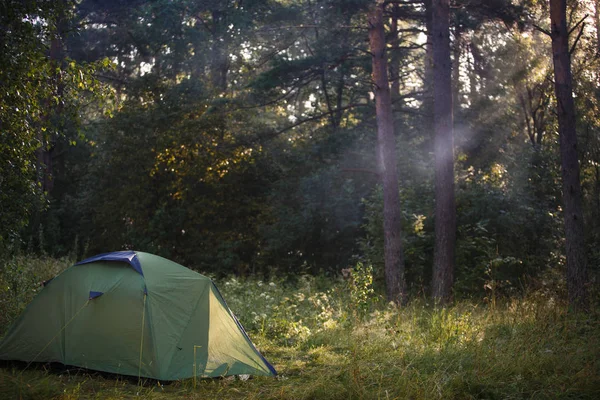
x,y
526,348
336,339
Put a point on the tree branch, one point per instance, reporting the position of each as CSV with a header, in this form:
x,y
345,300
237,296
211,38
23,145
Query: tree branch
x,y
539,28
402,2
208,28
318,117
577,24
112,78
577,39
312,26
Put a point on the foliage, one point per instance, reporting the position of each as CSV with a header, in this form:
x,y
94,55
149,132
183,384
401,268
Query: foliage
x,y
238,137
285,315
523,347
42,96
21,278
362,294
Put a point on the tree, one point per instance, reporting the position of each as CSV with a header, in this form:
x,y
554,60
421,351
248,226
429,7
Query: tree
x,y
38,92
572,195
394,257
445,211
597,21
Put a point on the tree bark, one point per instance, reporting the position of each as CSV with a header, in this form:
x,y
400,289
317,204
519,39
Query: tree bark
x,y
445,211
597,195
219,59
393,252
428,75
395,57
458,39
572,195
597,20
52,115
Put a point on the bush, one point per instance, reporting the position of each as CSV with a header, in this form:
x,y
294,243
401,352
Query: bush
x,y
282,312
21,278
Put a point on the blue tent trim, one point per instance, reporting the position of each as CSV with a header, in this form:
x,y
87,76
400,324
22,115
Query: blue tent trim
x,y
128,256
93,294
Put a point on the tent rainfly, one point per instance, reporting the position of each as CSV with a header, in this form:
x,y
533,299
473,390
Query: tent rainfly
x,y
138,314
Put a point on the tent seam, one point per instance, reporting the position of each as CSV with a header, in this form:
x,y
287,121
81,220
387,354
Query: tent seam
x,y
185,327
151,328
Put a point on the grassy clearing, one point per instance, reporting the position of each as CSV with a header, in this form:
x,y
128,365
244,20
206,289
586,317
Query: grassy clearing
x,y
328,342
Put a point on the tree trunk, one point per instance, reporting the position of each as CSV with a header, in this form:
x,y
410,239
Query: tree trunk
x,y
445,211
219,60
572,196
458,39
52,115
395,57
340,95
597,195
597,19
393,252
428,74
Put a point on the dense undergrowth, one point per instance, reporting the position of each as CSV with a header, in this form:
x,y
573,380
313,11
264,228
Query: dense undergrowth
x,y
336,339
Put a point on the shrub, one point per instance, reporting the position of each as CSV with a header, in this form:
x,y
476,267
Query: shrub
x,y
21,278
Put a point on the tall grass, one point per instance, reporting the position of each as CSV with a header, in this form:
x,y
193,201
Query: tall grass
x,y
328,343
21,278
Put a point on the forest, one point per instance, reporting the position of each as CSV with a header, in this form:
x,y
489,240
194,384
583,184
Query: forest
x,y
398,199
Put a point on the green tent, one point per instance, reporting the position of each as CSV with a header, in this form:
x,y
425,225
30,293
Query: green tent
x,y
137,314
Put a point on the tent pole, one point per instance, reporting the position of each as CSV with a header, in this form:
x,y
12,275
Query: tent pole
x,y
55,336
142,338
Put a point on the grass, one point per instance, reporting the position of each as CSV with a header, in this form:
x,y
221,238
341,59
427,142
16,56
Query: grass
x,y
325,346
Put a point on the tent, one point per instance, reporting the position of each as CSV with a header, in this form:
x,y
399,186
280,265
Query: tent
x,y
134,313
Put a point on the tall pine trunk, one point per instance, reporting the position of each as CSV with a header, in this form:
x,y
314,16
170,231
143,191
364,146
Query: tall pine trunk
x,y
445,211
456,50
428,71
572,196
597,20
393,252
395,57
